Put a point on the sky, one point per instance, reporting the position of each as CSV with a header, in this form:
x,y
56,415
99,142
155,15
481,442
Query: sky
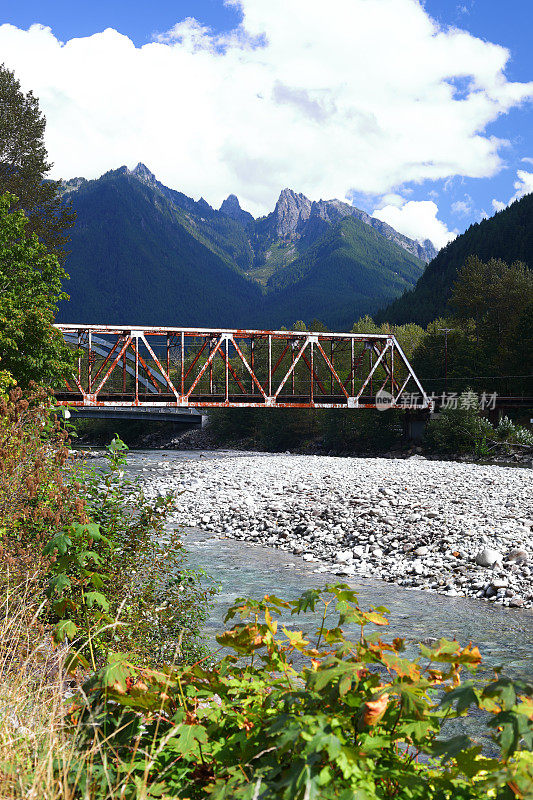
x,y
420,113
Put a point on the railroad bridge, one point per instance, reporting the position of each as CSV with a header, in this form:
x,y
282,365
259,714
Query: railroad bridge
x,y
174,373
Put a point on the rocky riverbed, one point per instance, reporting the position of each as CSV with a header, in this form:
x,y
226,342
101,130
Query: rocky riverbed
x,y
457,529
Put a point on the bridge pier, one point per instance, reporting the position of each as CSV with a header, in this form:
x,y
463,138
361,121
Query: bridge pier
x,y
414,425
186,417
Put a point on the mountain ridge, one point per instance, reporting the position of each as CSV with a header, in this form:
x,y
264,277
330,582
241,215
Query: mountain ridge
x,y
295,206
179,260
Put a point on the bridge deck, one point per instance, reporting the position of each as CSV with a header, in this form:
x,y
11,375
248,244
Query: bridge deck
x,y
214,400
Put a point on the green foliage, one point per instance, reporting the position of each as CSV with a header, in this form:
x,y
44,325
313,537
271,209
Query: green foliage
x,y
118,580
410,336
31,288
287,429
510,432
495,296
460,429
24,166
366,429
36,499
292,716
281,430
488,337
506,236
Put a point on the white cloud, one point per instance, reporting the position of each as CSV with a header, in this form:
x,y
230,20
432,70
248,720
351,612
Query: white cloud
x,y
418,220
528,159
463,207
522,186
361,94
391,199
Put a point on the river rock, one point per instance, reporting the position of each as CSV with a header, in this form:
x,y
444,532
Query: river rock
x,y
488,557
344,557
499,583
518,556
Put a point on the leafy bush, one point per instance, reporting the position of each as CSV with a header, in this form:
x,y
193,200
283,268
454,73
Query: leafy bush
x,y
366,429
460,430
509,432
292,716
86,567
90,544
120,580
285,429
36,497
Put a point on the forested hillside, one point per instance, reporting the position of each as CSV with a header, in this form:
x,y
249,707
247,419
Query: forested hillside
x,y
341,276
508,236
147,254
133,259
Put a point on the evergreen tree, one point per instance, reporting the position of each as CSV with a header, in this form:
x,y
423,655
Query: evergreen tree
x,y
507,236
497,296
24,166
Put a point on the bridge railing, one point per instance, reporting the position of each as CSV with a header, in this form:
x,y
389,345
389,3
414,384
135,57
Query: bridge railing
x,y
214,367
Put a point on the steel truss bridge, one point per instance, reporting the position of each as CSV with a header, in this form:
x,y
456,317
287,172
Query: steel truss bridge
x,y
178,370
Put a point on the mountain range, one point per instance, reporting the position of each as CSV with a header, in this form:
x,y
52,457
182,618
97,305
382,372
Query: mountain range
x,y
142,253
508,235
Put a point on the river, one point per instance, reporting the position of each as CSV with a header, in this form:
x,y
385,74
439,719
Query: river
x,y
242,569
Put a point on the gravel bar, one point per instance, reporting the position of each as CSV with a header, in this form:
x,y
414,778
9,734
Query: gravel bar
x,y
454,528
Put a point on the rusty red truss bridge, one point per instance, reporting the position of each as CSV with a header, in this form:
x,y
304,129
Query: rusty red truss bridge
x,y
128,366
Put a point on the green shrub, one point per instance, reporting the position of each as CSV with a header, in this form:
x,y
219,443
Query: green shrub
x,y
366,429
119,580
461,429
36,496
292,716
508,431
229,426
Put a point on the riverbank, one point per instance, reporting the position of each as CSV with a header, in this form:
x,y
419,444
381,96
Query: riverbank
x,y
462,530
500,453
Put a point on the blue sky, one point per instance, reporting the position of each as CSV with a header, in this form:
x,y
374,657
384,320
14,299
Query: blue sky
x,y
510,24
217,165
138,19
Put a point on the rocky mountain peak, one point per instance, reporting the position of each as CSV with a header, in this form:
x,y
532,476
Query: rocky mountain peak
x,y
428,251
71,185
142,172
232,208
291,212
203,204
230,204
332,211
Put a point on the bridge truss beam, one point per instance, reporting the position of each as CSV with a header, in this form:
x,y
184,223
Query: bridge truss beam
x,y
213,367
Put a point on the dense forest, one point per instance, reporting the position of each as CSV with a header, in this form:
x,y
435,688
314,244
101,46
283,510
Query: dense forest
x,y
507,236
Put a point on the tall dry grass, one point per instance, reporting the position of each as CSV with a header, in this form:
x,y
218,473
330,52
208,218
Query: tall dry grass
x,y
38,755
34,702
